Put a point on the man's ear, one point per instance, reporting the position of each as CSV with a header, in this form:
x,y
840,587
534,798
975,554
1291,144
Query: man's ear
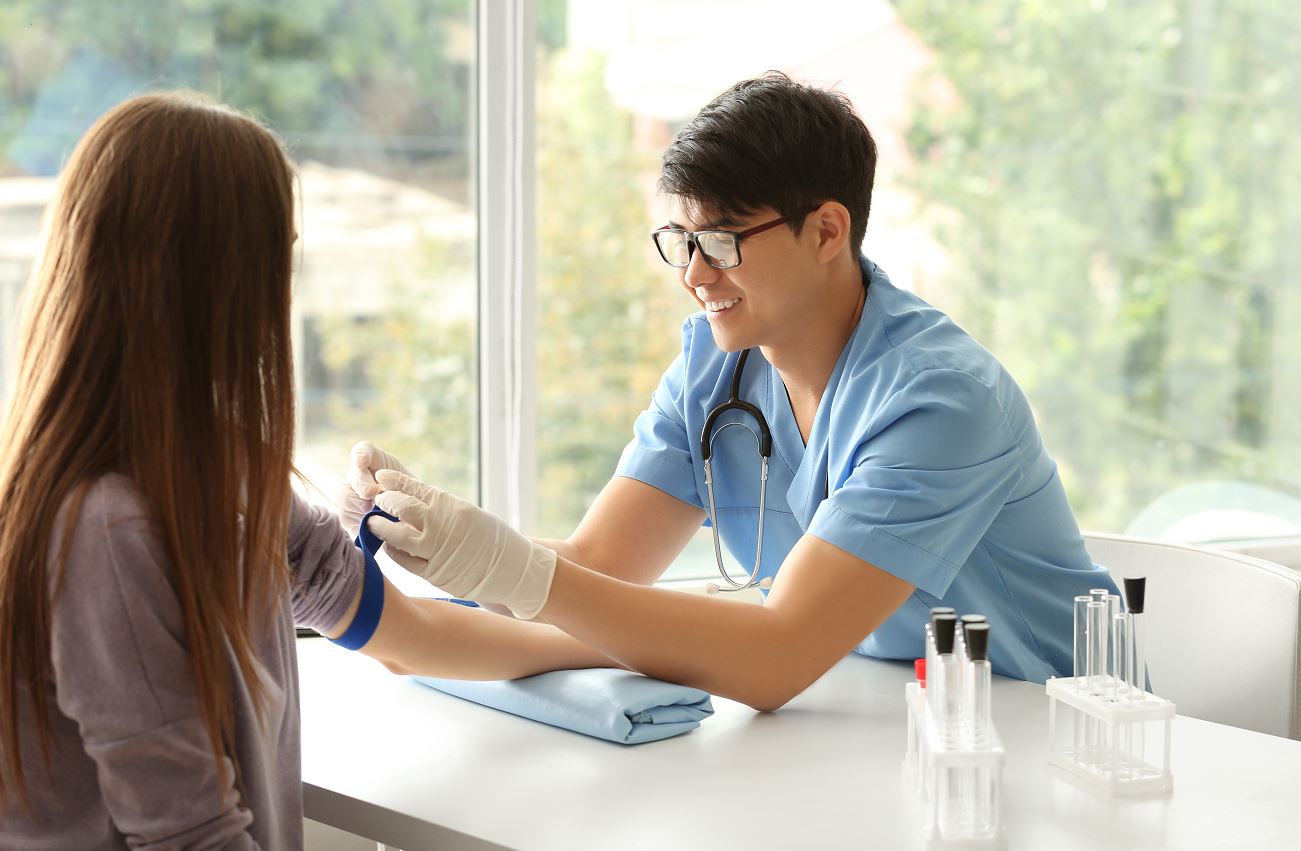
x,y
831,222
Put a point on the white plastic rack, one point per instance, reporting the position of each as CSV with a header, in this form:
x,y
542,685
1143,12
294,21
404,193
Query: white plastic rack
x,y
1111,735
959,783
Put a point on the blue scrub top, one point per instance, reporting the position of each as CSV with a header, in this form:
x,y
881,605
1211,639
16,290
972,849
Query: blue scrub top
x,y
935,470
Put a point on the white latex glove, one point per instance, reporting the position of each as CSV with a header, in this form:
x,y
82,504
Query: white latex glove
x,y
356,494
461,548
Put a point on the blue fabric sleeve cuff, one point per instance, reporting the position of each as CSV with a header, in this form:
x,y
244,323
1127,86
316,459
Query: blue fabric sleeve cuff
x,y
879,548
676,480
371,607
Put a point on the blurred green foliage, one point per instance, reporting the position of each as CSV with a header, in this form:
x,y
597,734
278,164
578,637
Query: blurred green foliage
x,y
607,324
1116,187
344,81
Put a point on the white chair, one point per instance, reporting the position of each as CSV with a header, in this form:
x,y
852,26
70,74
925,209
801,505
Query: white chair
x,y
1223,631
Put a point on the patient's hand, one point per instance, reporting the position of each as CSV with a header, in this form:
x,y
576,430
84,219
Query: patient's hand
x,y
356,494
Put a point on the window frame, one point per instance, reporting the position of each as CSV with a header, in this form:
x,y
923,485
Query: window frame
x,y
507,258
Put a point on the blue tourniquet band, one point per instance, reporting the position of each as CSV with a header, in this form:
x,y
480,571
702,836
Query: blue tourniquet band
x,y
372,589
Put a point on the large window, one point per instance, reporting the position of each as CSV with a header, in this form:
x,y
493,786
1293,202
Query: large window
x,y
1106,195
374,101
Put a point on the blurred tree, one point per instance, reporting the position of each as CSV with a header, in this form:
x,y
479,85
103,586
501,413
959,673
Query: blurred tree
x,y
334,77
380,87
607,324
1116,186
417,393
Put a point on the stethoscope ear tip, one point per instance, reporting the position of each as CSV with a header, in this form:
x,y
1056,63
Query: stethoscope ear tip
x,y
765,583
711,588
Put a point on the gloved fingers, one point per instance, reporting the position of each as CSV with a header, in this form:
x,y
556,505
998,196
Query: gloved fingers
x,y
404,507
406,561
361,469
381,460
351,508
393,480
400,535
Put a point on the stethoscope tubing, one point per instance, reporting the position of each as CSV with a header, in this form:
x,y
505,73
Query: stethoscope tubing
x,y
763,441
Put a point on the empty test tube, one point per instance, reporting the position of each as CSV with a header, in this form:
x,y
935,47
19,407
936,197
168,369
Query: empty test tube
x,y
1122,654
1083,724
1097,649
1081,640
1113,676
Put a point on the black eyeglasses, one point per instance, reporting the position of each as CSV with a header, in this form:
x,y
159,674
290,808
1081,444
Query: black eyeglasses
x,y
721,248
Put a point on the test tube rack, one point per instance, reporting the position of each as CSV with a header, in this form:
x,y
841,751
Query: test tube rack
x,y
1111,735
967,777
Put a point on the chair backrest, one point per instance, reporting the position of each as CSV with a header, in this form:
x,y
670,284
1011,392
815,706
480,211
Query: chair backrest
x,y
1223,631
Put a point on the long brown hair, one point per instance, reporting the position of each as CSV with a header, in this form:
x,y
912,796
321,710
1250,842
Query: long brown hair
x,y
156,344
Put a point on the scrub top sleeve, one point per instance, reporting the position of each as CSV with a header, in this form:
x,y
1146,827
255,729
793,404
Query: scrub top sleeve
x,y
660,451
934,470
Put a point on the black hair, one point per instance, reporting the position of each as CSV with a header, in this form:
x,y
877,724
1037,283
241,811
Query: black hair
x,y
772,142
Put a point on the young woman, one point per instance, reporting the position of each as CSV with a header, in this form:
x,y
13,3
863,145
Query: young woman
x,y
153,558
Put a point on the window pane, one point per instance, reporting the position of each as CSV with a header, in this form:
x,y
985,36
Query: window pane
x,y
1105,195
374,102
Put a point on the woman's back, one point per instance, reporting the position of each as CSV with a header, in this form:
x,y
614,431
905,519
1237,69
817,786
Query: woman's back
x,y
152,413
130,753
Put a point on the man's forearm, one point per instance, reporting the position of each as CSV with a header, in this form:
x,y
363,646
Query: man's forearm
x,y
729,648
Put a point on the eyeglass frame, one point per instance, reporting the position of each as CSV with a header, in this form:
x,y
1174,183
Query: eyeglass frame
x,y
693,245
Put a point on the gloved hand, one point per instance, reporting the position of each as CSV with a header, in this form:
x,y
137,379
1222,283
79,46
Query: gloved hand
x,y
461,548
356,494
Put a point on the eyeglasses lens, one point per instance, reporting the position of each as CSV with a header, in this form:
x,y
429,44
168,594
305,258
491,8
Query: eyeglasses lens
x,y
720,249
673,247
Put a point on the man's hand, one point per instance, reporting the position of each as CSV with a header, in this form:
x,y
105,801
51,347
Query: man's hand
x,y
461,548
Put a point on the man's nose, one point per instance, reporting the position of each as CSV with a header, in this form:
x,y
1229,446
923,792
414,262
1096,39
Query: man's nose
x,y
698,271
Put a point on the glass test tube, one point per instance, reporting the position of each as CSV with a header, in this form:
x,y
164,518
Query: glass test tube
x,y
1114,677
1101,595
1097,649
930,640
1135,594
1122,653
1081,640
1135,747
979,789
946,679
1081,726
963,623
979,684
1097,671
1137,628
929,651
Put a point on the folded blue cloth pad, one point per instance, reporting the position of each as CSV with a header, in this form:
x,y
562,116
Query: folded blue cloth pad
x,y
608,703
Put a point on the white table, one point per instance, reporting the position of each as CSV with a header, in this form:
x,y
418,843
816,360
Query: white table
x,y
387,758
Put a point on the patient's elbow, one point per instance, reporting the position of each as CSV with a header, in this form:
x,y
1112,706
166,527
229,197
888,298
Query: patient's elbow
x,y
395,667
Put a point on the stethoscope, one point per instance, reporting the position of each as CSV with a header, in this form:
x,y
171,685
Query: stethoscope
x,y
764,440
